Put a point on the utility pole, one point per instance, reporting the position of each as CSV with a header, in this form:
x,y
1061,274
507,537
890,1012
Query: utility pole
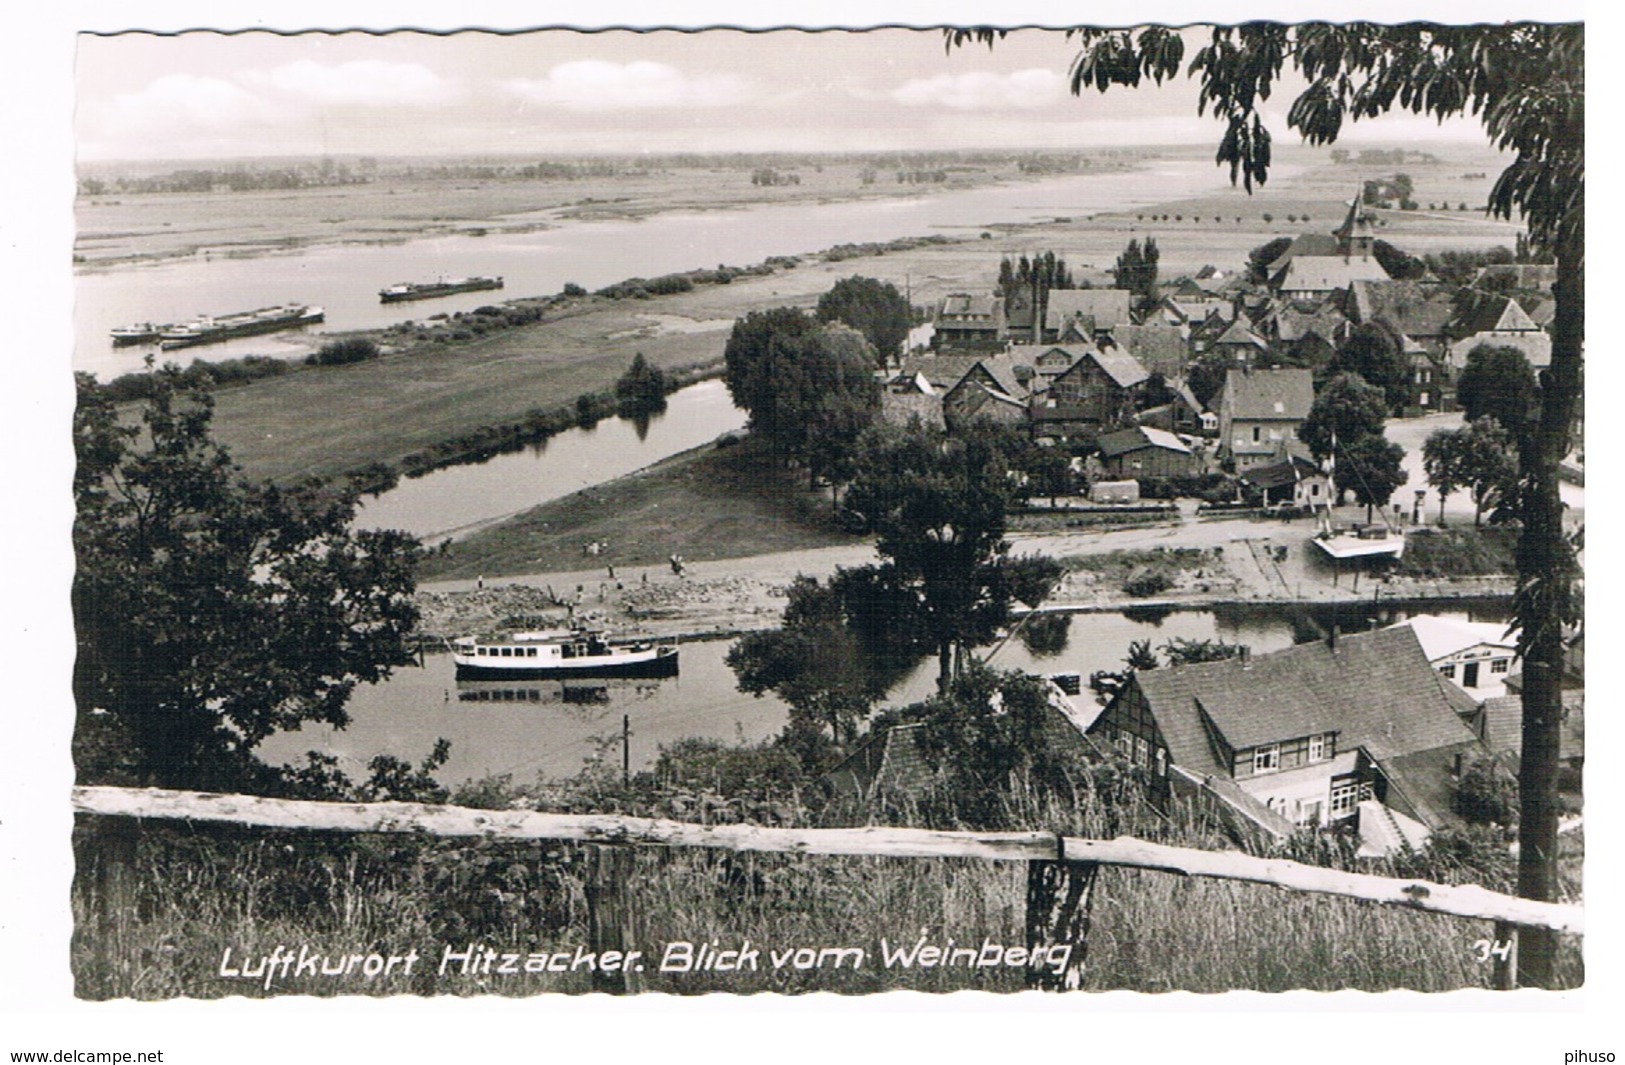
x,y
626,748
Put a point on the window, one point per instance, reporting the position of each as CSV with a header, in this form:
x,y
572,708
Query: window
x,y
1142,753
1448,670
1309,812
1499,665
1422,400
1317,748
1266,759
1258,433
1345,797
1125,744
1162,761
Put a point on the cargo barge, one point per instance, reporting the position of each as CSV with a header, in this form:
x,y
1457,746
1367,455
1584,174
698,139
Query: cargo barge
x,y
206,329
428,290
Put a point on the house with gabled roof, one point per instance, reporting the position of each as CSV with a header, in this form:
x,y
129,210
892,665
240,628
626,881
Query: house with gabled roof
x,y
1420,311
1308,733
1476,656
1100,391
969,323
1318,276
1141,451
906,397
1292,479
942,371
1181,414
1240,345
1259,410
1160,349
995,387
1109,307
1499,321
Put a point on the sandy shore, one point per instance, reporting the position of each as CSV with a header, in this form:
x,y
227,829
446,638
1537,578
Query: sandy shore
x,y
739,595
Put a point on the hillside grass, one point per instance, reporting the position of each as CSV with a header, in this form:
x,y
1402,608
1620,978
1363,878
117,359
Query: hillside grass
x,y
155,912
708,503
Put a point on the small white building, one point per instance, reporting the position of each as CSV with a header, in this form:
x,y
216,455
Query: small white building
x,y
1474,655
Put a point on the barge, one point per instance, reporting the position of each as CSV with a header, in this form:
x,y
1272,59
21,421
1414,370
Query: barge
x,y
428,290
206,329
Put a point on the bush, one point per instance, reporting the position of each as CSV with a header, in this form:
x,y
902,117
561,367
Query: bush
x,y
1145,585
1486,794
1213,487
573,290
350,349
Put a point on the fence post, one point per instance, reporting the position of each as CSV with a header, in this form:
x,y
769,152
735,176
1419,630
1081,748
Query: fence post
x,y
611,919
1505,976
1058,896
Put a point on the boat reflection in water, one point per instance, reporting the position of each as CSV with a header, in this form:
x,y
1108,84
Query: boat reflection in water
x,y
593,691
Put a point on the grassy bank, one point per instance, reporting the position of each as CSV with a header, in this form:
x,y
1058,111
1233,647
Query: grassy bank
x,y
1462,551
710,503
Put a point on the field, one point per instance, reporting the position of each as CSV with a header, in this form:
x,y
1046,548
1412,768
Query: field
x,y
341,419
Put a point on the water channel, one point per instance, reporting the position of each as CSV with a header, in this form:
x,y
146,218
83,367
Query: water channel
x,y
527,729
459,499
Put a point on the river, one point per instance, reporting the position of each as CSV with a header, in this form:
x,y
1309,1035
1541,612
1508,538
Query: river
x,y
345,279
551,729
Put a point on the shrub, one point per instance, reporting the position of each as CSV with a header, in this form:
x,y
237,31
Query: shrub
x,y
1486,794
1152,582
339,352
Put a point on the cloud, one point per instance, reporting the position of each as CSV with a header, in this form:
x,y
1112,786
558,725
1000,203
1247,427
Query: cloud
x,y
182,100
982,91
597,85
365,82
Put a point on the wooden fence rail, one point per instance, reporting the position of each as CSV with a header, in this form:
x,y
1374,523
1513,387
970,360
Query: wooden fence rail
x,y
1039,847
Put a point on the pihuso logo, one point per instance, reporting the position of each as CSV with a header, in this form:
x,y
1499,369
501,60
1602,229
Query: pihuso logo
x,y
1573,1057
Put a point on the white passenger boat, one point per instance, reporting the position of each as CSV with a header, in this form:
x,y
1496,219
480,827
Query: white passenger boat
x,y
552,653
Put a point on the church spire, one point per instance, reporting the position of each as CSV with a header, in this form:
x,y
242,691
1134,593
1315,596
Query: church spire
x,y
1355,235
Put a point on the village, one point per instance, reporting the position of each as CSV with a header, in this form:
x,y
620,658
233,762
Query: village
x,y
1203,385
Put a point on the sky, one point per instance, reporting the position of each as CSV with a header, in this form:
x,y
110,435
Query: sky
x,y
200,95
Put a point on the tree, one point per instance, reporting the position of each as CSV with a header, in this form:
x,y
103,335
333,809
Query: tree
x,y
759,347
1136,269
211,611
874,308
1260,258
937,506
1498,382
1441,462
1370,467
808,386
1346,409
1486,464
641,390
1397,264
1373,351
814,661
1526,83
